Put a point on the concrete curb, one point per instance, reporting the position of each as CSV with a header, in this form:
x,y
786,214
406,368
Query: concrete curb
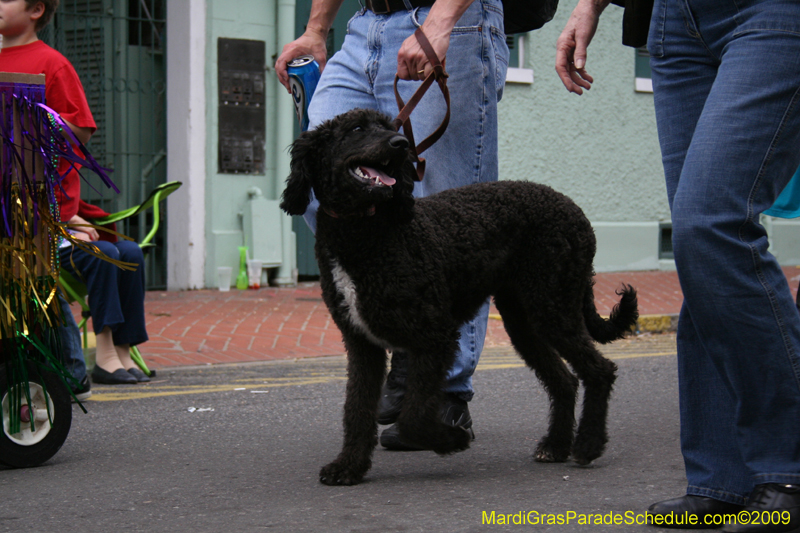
x,y
646,324
657,323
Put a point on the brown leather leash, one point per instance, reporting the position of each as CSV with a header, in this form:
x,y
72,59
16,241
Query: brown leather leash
x,y
404,117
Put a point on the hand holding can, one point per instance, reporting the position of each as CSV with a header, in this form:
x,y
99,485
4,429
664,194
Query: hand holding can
x,y
303,77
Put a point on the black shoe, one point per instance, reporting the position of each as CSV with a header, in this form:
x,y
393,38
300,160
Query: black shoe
x,y
771,508
118,377
455,412
690,512
140,376
391,401
393,391
83,391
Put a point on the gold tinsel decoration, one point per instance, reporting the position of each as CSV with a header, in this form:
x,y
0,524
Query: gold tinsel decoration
x,y
34,139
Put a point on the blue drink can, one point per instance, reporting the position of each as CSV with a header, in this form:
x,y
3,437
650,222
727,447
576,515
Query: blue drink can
x,y
303,77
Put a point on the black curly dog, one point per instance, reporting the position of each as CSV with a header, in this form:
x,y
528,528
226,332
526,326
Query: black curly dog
x,y
400,273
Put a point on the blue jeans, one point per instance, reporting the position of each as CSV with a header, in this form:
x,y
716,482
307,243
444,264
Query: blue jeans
x,y
726,81
71,349
116,296
361,75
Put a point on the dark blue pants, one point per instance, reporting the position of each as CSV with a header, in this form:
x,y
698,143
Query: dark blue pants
x,y
116,296
71,350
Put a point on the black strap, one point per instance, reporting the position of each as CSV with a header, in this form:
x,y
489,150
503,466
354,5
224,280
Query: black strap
x,y
381,7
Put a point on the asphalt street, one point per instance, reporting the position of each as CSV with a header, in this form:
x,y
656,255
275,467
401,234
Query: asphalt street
x,y
238,448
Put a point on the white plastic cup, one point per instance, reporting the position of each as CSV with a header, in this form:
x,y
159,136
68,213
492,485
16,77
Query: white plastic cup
x,y
224,278
254,274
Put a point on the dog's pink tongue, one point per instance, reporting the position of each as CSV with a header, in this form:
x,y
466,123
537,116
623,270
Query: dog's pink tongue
x,y
378,175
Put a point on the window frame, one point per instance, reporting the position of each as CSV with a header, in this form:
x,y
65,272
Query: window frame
x,y
517,72
643,82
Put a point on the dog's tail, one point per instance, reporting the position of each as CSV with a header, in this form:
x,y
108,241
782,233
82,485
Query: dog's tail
x,y
622,319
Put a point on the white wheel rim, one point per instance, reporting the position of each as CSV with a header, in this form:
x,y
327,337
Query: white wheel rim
x,y
38,411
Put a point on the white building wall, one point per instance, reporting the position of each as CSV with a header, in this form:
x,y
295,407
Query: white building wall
x,y
186,143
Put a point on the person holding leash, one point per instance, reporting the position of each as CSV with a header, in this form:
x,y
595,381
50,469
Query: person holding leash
x,y
726,84
468,37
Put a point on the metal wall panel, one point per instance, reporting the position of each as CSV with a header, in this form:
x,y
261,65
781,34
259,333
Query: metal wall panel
x,y
118,49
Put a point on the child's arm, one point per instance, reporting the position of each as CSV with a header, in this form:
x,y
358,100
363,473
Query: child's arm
x,y
82,134
82,230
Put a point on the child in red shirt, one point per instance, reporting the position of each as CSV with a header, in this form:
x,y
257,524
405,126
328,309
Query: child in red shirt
x,y
116,297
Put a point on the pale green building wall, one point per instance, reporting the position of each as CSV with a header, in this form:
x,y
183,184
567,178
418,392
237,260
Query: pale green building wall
x,y
601,148
229,196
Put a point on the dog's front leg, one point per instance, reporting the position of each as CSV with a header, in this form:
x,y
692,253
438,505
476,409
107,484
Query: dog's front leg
x,y
366,365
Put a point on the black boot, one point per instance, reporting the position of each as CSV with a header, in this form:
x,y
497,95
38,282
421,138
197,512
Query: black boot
x,y
394,390
455,412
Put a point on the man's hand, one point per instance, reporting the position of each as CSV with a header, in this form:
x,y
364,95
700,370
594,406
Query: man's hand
x,y
412,63
572,45
83,231
310,43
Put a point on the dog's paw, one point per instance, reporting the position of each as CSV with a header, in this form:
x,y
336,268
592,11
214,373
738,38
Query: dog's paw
x,y
338,474
548,453
452,440
586,450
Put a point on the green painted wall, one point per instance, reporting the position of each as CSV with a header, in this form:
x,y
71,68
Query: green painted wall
x,y
227,194
601,148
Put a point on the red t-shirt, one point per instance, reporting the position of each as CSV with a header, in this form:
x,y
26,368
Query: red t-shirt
x,y
64,93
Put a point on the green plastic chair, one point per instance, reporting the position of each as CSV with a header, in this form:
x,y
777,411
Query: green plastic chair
x,y
75,289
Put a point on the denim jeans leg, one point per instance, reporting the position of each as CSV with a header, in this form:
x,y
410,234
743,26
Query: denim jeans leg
x,y
726,86
102,280
473,122
70,335
714,468
473,334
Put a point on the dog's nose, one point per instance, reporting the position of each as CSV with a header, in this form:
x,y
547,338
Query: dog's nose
x,y
398,141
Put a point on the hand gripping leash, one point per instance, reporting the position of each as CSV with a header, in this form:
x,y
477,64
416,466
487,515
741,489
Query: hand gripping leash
x,y
404,117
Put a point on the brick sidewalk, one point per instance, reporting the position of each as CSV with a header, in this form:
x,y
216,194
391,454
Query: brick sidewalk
x,y
209,326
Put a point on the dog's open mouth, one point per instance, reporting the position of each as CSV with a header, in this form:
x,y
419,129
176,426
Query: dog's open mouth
x,y
372,176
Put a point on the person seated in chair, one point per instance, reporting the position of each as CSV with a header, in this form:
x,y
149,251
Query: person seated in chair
x,y
116,299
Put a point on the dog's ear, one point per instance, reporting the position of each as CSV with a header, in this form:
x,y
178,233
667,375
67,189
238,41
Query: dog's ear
x,y
297,194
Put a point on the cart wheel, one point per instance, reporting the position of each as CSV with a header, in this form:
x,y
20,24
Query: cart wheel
x,y
30,448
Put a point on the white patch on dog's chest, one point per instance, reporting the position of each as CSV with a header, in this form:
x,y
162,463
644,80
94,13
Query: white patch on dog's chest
x,y
347,288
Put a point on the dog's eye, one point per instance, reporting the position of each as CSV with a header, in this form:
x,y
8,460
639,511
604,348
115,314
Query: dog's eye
x,y
357,128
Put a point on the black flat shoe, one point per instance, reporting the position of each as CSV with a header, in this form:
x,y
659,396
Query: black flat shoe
x,y
118,377
140,376
690,512
771,508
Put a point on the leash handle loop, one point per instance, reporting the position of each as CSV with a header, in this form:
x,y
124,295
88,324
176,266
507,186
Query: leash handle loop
x,y
404,116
